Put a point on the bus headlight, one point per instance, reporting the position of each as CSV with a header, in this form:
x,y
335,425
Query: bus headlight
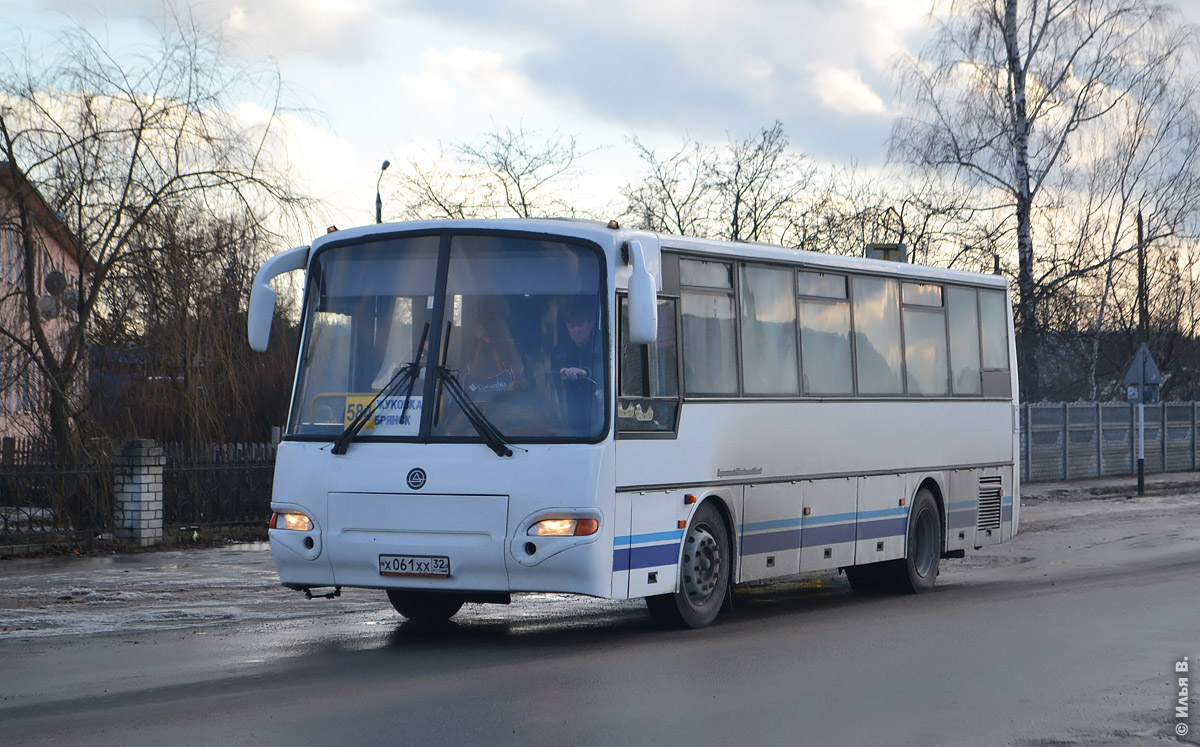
x,y
291,520
564,528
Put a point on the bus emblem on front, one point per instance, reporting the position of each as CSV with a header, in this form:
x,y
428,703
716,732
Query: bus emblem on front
x,y
416,478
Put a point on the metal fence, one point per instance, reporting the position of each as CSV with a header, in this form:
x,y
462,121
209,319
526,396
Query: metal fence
x,y
222,484
44,502
1070,441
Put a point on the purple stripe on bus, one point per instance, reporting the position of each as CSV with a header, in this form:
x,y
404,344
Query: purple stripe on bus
x,y
962,519
827,535
756,544
621,559
625,559
882,528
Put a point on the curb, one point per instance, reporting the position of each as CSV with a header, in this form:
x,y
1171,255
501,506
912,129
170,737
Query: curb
x,y
1124,486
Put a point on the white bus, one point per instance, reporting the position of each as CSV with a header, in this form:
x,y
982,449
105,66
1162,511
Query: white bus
x,y
489,407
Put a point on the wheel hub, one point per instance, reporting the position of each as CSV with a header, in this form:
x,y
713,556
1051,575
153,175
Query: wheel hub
x,y
925,550
701,565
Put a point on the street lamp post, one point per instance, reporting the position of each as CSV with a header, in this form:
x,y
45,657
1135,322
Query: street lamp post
x,y
378,200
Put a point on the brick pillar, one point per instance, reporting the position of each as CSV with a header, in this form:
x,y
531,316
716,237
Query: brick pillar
x,y
138,492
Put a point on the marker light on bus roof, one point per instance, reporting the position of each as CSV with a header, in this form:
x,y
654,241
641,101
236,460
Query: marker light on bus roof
x,y
291,520
564,528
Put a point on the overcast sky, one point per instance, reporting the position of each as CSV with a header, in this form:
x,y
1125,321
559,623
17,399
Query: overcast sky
x,y
394,75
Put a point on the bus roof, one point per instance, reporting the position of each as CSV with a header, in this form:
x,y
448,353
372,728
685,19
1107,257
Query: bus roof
x,y
601,233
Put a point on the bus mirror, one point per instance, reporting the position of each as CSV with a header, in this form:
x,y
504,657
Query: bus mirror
x,y
643,301
262,295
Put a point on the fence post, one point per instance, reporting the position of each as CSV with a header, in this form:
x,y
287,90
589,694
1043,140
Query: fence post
x,y
1028,443
1066,434
1099,440
1133,438
138,492
9,456
1193,441
1162,435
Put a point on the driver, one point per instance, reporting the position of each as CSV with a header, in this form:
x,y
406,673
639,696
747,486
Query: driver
x,y
579,360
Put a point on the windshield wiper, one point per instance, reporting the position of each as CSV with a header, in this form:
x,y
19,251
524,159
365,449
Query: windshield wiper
x,y
405,374
484,427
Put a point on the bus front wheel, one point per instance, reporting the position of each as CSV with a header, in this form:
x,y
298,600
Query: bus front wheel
x,y
424,607
703,574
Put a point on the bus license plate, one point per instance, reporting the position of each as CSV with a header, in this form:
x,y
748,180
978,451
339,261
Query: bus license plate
x,y
414,565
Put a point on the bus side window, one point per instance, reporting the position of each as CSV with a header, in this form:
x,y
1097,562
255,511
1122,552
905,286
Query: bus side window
x,y
926,369
876,309
768,315
963,312
709,327
648,391
994,326
993,335
825,334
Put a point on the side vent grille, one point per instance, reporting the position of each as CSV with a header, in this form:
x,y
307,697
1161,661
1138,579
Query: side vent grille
x,y
990,491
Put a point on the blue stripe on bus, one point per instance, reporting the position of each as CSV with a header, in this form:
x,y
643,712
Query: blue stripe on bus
x,y
625,559
759,526
832,529
639,539
812,521
828,534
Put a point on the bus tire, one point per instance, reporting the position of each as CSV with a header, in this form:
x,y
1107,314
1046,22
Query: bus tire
x,y
426,607
918,571
704,572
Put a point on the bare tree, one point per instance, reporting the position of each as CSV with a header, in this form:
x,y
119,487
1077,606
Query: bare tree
x,y
1000,95
757,181
427,190
843,211
520,170
174,359
676,194
745,191
516,173
111,144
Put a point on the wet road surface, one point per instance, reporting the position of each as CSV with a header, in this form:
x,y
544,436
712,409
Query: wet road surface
x,y
1069,634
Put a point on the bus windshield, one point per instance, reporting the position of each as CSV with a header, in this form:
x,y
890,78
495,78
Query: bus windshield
x,y
520,331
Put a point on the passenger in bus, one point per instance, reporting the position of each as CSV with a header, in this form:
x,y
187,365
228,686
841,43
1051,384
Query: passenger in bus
x,y
579,361
492,363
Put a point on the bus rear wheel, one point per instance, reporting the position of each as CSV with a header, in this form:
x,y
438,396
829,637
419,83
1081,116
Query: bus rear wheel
x,y
918,571
703,574
426,607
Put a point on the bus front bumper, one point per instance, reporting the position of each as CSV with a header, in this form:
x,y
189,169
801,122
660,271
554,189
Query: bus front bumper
x,y
466,543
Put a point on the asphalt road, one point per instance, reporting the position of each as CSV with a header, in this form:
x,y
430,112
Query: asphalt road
x,y
1069,634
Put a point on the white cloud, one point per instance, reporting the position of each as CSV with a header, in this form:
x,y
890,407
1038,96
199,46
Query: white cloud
x,y
844,91
341,31
391,73
462,77
708,67
319,164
